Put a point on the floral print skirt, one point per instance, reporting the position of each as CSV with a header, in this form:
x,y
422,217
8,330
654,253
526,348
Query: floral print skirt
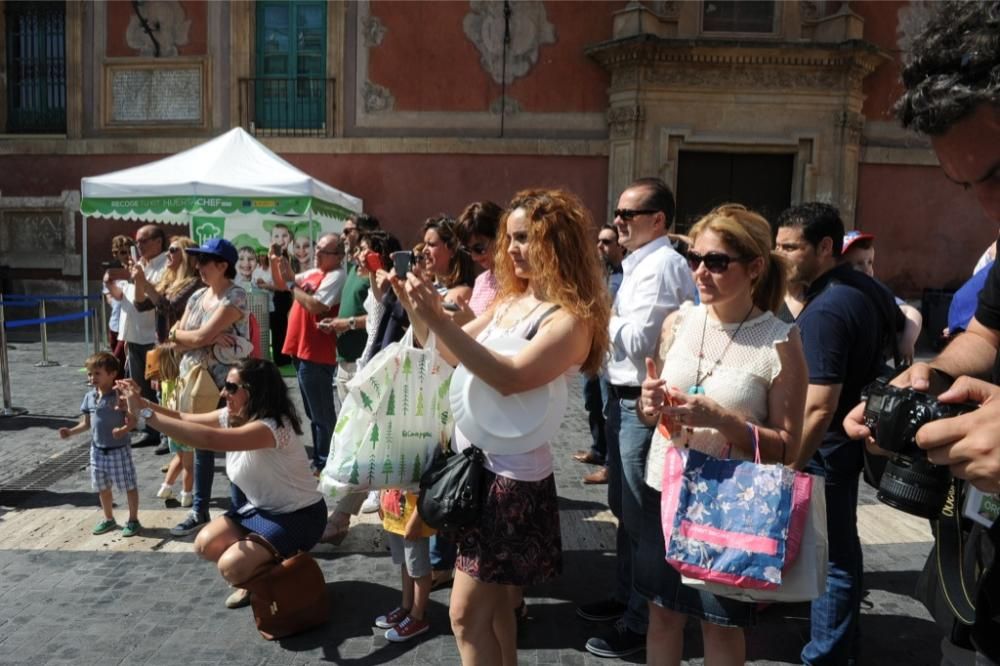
x,y
517,541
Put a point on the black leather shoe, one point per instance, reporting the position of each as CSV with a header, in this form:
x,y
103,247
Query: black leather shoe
x,y
619,641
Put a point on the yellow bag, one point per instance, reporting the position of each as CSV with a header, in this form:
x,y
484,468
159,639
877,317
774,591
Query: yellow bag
x,y
196,391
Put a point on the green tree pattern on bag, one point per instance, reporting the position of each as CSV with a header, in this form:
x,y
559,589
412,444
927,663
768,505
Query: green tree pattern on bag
x,y
342,422
420,404
390,409
415,478
353,479
387,469
374,435
366,401
402,465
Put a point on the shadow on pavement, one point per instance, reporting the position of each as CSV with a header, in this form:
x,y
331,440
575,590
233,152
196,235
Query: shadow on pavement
x,y
16,423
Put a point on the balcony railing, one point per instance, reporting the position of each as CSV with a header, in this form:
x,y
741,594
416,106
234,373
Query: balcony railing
x,y
298,106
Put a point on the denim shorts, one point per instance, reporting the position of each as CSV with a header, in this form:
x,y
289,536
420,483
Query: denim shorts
x,y
660,583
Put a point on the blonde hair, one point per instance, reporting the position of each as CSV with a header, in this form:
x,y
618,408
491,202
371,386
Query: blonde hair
x,y
749,236
564,267
176,280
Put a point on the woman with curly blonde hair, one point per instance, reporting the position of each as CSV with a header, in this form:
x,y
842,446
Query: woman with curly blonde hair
x,y
551,292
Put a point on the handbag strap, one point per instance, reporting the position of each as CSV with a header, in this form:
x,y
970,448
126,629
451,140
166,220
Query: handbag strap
x,y
956,572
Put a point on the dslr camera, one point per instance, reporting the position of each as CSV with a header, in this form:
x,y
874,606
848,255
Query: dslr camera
x,y
910,482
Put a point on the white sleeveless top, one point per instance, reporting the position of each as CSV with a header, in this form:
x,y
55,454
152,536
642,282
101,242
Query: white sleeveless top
x,y
741,382
533,465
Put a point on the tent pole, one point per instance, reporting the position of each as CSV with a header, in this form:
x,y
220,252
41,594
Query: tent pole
x,y
86,329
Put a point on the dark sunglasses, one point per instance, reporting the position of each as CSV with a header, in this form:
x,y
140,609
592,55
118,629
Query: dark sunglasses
x,y
173,249
606,241
231,387
626,214
478,248
715,262
334,253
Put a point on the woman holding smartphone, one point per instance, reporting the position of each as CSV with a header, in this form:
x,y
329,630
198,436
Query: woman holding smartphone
x,y
375,249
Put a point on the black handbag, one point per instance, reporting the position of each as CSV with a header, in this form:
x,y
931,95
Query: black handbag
x,y
453,488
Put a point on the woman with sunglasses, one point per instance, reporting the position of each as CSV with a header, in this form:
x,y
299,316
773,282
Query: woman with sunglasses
x,y
210,333
549,283
275,506
720,365
477,228
444,259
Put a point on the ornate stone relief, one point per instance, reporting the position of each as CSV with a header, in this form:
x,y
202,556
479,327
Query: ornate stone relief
x,y
372,31
377,99
509,105
529,29
666,8
157,28
623,121
39,232
746,76
809,10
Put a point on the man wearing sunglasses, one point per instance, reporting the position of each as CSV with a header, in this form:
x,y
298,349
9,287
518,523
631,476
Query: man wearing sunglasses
x,y
137,323
847,324
655,282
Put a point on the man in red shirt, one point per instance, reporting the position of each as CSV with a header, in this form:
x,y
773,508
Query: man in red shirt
x,y
316,294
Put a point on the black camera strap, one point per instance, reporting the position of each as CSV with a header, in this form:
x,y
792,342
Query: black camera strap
x,y
955,558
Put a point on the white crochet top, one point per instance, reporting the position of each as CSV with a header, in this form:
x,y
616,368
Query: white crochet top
x,y
741,382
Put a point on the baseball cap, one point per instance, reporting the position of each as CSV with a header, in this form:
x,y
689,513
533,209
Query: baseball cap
x,y
219,248
850,238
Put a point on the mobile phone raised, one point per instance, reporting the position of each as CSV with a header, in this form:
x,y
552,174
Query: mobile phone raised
x,y
402,262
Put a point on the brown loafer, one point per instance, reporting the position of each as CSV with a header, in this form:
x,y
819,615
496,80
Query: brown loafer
x,y
587,457
600,476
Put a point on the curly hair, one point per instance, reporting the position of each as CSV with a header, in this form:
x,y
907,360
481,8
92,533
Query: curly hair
x,y
268,393
460,268
954,66
565,269
749,235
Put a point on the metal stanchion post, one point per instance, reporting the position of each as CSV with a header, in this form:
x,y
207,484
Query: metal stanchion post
x,y
45,362
95,328
8,409
104,322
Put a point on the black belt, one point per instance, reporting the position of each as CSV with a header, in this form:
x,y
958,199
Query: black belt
x,y
626,392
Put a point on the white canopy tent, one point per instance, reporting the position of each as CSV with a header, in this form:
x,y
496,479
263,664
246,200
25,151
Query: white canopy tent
x,y
230,181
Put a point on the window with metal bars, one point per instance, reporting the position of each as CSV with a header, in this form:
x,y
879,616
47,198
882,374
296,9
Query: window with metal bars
x,y
36,66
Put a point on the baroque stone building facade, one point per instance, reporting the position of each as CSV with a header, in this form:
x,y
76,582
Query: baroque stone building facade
x,y
421,107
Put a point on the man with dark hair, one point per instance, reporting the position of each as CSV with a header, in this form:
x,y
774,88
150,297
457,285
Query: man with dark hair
x,y
952,94
656,280
844,327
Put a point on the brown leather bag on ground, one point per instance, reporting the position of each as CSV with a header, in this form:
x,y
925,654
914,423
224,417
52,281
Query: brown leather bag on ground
x,y
288,598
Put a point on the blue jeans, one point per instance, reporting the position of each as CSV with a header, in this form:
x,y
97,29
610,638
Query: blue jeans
x,y
316,386
628,443
835,616
595,400
442,553
204,474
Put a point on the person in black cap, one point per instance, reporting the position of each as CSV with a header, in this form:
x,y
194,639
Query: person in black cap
x,y
213,332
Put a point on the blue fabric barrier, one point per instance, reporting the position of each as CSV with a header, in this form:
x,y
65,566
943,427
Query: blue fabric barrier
x,y
19,323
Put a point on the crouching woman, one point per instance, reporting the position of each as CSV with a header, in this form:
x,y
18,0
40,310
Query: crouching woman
x,y
273,493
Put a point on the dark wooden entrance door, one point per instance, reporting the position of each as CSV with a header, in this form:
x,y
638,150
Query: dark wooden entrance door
x,y
761,182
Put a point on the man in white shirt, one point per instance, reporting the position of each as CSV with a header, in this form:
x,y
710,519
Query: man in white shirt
x,y
656,281
138,327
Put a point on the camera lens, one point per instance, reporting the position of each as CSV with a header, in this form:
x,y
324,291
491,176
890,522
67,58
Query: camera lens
x,y
915,486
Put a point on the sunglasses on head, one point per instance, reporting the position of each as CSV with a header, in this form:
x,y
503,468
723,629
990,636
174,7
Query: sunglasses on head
x,y
232,387
478,248
715,262
627,214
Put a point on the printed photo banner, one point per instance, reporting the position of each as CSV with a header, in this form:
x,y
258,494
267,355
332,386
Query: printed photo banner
x,y
180,209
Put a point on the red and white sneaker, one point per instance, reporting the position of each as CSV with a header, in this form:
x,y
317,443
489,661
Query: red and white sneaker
x,y
392,618
407,629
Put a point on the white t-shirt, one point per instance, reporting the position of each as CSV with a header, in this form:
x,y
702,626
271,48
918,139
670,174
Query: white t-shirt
x,y
330,288
278,479
134,326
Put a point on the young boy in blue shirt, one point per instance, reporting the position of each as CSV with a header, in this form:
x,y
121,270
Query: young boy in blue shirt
x,y
110,453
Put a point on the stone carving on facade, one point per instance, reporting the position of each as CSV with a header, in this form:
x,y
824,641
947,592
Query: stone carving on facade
x,y
744,77
377,99
623,121
853,124
157,28
626,77
809,10
508,104
39,232
484,25
666,8
372,31
35,231
911,19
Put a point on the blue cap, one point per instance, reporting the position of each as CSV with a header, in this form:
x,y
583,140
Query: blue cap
x,y
219,248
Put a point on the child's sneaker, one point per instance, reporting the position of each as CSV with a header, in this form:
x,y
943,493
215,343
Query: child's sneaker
x,y
407,629
165,492
392,618
131,528
105,526
187,499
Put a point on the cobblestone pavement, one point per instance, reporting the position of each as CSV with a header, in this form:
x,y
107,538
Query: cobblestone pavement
x,y
67,597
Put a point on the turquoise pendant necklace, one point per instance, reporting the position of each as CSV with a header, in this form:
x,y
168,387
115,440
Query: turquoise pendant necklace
x,y
698,387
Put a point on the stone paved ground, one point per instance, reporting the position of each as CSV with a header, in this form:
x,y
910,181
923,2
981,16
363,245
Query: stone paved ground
x,y
67,597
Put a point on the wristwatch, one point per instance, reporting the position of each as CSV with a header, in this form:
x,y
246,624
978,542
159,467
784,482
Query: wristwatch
x,y
144,414
352,323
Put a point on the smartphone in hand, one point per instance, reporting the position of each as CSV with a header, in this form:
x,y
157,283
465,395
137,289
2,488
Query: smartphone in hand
x,y
134,253
402,262
373,262
450,307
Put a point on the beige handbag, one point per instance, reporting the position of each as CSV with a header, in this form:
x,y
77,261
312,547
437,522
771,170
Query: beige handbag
x,y
196,391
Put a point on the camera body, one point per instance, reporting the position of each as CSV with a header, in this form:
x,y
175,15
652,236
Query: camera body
x,y
910,483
